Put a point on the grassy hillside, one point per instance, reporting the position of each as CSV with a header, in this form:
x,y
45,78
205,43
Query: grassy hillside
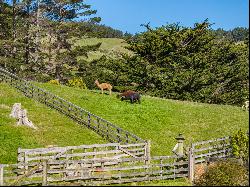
x,y
159,120
53,128
108,47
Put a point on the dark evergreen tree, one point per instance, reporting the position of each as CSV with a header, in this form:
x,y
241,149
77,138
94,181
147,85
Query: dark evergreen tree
x,y
191,64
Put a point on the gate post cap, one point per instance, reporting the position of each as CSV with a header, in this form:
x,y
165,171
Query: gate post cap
x,y
180,137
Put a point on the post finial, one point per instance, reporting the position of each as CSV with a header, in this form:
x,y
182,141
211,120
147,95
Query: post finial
x,y
180,137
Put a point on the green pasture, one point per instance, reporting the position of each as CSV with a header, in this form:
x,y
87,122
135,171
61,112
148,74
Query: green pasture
x,y
159,120
155,119
53,128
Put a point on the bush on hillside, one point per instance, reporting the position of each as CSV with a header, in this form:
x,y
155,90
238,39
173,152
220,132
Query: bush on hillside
x,y
77,83
54,81
224,173
240,146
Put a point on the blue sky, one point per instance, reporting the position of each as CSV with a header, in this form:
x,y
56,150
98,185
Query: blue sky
x,y
128,15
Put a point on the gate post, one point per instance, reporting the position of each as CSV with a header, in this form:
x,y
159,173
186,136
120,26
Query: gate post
x,y
45,177
147,152
179,147
191,163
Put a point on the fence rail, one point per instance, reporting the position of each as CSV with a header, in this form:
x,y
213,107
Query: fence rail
x,y
94,151
94,171
200,152
212,148
101,126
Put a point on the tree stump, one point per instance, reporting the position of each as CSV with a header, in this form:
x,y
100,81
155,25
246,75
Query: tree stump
x,y
15,110
21,116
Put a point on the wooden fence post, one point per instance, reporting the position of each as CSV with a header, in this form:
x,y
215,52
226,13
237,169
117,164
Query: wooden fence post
x,y
191,164
147,151
45,168
127,138
20,157
20,160
89,120
118,135
1,175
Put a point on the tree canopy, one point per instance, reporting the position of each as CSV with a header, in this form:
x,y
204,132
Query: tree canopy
x,y
38,42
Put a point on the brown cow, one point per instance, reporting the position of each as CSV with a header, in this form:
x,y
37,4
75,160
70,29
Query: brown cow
x,y
130,95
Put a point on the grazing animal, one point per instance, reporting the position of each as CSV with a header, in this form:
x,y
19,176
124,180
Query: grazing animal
x,y
104,86
130,95
246,105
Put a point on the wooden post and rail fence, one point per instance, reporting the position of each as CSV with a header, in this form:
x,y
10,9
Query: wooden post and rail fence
x,y
109,164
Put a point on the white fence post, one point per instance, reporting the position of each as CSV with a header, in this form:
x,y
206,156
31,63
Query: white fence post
x,y
191,164
45,168
148,151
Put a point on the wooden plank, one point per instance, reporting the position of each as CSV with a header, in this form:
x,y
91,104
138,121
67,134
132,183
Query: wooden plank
x,y
119,156
105,169
170,164
125,151
127,168
86,161
199,161
17,170
22,164
135,179
74,155
132,174
139,153
211,153
35,175
25,183
164,157
50,150
209,141
133,145
211,147
204,160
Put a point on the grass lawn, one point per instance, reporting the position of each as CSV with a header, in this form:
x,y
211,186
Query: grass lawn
x,y
155,119
53,128
159,120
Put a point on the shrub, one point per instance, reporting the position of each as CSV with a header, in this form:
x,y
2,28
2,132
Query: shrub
x,y
240,145
54,81
224,173
77,83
